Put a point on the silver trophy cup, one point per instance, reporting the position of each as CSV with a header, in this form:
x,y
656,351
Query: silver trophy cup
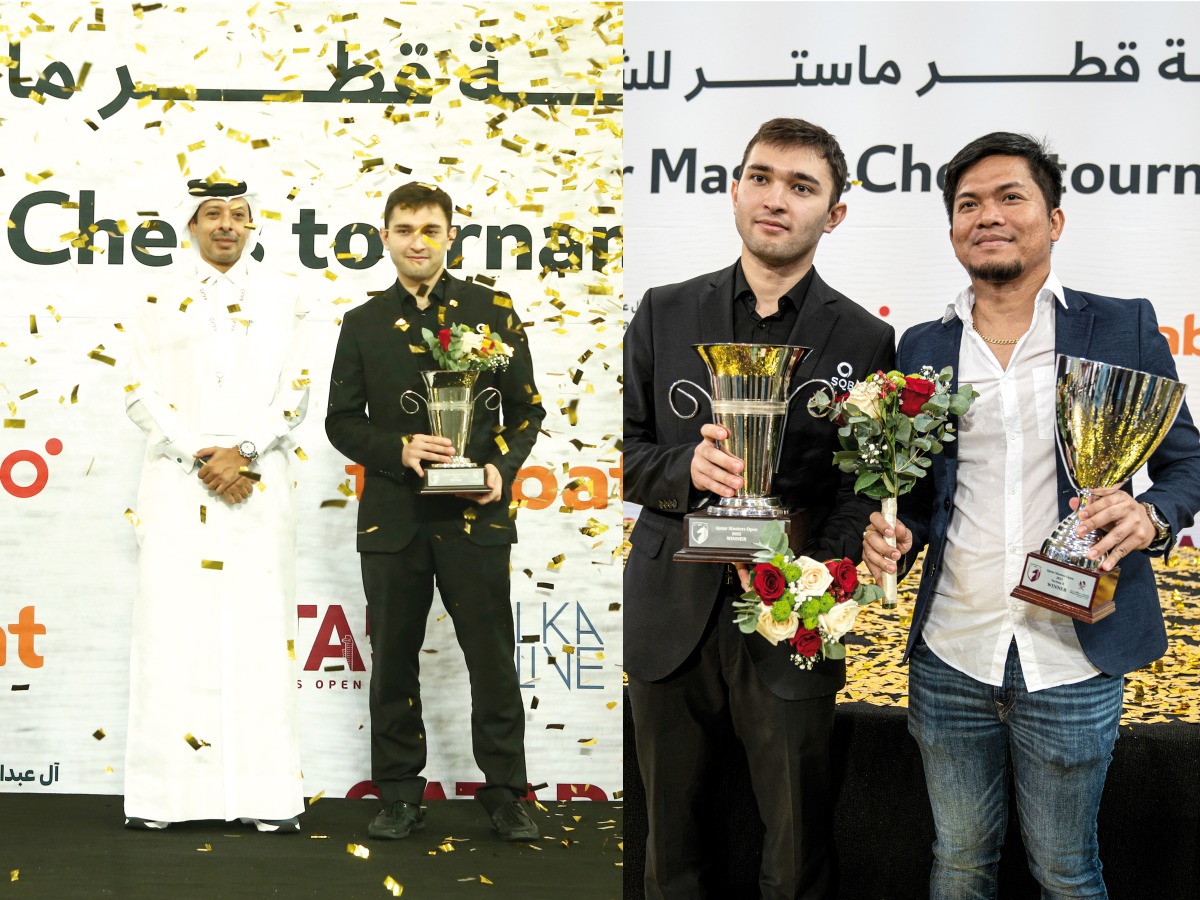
x,y
750,398
451,409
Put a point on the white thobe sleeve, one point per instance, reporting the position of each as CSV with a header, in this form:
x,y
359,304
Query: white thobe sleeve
x,y
271,430
167,433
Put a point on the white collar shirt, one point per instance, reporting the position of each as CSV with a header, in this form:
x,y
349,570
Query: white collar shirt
x,y
1005,506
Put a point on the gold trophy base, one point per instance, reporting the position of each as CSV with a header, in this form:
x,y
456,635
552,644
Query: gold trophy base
x,y
1082,594
455,480
711,537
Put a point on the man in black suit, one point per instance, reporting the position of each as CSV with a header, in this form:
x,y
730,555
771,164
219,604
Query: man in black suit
x,y
693,676
407,540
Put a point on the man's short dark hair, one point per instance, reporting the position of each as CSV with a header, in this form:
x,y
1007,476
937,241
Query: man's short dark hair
x,y
798,133
1043,165
414,195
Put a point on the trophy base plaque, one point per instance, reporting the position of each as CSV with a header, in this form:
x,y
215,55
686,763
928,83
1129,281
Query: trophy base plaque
x,y
710,536
455,480
1082,594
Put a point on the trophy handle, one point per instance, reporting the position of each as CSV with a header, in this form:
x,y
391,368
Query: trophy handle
x,y
695,403
410,398
493,398
792,395
788,409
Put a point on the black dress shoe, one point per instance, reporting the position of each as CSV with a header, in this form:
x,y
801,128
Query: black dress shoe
x,y
397,820
512,823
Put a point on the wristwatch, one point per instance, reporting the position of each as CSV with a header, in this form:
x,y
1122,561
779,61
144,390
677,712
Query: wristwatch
x,y
246,448
1162,529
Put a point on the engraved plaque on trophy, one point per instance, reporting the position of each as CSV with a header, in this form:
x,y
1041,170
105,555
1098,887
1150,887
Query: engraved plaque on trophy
x,y
750,400
451,408
1109,421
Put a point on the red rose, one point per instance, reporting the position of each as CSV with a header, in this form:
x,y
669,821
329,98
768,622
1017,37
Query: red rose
x,y
915,394
845,575
769,583
806,642
444,337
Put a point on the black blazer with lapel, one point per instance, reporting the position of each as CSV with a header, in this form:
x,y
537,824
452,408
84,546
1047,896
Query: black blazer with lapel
x,y
378,359
667,604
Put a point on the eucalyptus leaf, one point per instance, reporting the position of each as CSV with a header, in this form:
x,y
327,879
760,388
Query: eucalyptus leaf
x,y
865,480
834,650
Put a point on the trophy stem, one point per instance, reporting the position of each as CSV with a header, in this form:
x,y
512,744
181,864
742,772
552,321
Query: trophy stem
x,y
888,584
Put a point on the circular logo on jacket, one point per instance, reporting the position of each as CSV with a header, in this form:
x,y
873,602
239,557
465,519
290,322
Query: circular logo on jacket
x,y
699,532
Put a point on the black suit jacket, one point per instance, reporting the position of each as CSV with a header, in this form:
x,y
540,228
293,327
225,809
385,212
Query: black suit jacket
x,y
376,361
667,604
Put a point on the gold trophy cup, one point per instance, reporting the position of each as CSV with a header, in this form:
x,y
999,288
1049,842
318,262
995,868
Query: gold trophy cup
x,y
1110,420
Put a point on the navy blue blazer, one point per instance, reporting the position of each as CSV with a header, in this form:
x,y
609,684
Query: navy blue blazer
x,y
1120,332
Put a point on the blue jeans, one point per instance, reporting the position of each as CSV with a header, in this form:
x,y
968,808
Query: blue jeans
x,y
1056,742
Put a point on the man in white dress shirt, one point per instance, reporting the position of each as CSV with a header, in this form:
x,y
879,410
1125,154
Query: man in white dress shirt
x,y
216,385
997,684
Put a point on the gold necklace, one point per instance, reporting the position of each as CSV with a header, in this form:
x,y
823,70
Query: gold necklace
x,y
994,341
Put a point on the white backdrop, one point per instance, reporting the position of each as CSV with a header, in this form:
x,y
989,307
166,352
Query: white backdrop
x,y
1114,86
323,108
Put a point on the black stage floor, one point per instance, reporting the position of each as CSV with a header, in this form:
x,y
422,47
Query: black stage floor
x,y
63,847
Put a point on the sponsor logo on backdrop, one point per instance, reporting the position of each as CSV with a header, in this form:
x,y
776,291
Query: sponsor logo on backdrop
x,y
562,646
29,776
25,473
1184,341
22,635
333,652
587,487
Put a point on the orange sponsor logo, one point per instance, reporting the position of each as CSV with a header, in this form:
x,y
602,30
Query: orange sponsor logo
x,y
25,630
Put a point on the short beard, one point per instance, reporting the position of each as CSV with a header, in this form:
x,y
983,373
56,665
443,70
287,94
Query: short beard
x,y
997,273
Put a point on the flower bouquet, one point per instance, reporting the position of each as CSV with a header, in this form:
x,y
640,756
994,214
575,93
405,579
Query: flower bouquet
x,y
460,348
890,426
808,604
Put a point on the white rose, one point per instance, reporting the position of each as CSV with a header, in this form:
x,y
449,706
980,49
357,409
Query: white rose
x,y
865,396
814,577
471,342
777,631
838,620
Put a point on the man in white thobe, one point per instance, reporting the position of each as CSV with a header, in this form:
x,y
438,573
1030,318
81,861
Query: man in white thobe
x,y
216,384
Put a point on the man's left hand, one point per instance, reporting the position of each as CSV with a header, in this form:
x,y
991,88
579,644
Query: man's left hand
x,y
1125,525
223,469
495,485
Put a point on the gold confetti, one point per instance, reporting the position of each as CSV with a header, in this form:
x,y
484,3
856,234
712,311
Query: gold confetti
x,y
14,423
299,451
214,564
483,879
14,875
207,848
394,886
194,743
133,518
358,850
315,797
203,514
99,734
